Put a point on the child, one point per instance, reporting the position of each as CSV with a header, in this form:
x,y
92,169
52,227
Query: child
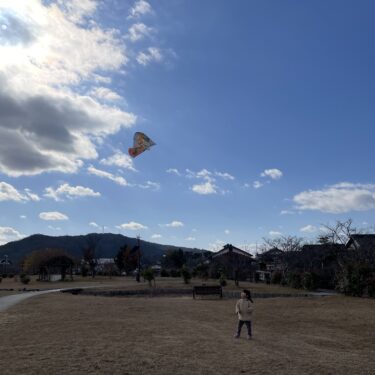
x,y
244,311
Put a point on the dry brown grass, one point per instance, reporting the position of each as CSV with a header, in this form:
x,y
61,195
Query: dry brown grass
x,y
65,334
116,283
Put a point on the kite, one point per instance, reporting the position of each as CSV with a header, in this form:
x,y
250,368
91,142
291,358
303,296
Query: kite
x,y
141,143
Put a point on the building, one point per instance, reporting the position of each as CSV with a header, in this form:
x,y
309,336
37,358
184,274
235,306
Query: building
x,y
235,263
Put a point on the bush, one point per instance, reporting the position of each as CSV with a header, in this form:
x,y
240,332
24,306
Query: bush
x,y
309,281
371,286
24,278
294,280
186,275
223,280
4,275
148,274
1,279
276,277
354,280
175,273
10,276
164,273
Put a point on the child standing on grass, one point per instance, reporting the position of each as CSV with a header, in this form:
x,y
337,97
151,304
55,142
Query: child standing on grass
x,y
244,311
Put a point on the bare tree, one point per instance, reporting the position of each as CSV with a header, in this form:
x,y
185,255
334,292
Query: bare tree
x,y
284,243
339,233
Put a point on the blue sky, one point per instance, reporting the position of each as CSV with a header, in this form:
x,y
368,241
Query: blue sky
x,y
262,112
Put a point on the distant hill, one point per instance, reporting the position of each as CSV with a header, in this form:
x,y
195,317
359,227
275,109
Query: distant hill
x,y
106,246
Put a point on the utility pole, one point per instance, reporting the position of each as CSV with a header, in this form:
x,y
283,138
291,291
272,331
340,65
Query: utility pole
x,y
138,277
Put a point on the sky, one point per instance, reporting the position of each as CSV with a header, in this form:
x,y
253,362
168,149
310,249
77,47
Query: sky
x,y
262,113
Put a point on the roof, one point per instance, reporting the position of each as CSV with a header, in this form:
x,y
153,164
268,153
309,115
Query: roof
x,y
228,248
322,247
364,241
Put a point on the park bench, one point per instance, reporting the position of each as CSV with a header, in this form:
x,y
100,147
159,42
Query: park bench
x,y
206,290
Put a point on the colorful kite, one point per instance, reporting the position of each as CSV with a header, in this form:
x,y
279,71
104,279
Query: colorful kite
x,y
141,143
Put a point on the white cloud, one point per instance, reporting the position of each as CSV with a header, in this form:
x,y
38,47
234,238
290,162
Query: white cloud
x,y
103,174
23,217
138,31
54,228
150,185
152,54
53,216
140,8
119,159
156,236
339,198
45,56
224,175
309,229
190,238
8,234
274,233
257,184
93,224
173,171
105,94
65,190
216,245
132,225
226,231
32,196
205,188
175,224
10,193
274,173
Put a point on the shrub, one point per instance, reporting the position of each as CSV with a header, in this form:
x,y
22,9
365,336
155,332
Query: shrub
x,y
164,273
276,277
148,274
186,275
24,278
223,279
4,275
10,276
371,286
294,280
1,279
309,281
175,273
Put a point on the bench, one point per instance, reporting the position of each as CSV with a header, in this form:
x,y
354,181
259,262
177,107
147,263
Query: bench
x,y
205,290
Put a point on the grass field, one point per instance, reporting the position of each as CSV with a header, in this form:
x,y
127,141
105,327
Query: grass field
x,y
66,334
115,283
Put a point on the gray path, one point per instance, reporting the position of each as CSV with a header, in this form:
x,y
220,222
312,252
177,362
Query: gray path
x,y
8,301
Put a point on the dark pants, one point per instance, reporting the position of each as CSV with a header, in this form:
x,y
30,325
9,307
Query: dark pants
x,y
248,325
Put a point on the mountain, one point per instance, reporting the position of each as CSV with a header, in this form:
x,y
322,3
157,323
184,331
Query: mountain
x,y
106,246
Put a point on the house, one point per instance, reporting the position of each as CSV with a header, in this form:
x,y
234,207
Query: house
x,y
361,242
364,246
234,262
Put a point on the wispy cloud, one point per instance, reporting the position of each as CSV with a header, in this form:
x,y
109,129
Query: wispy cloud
x,y
150,185
8,234
309,229
174,224
190,238
205,188
338,198
67,191
140,8
173,171
139,31
132,225
10,193
275,233
103,174
257,184
156,236
274,173
152,54
53,216
105,94
119,159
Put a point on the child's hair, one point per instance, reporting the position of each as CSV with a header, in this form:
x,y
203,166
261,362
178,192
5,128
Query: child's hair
x,y
248,295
